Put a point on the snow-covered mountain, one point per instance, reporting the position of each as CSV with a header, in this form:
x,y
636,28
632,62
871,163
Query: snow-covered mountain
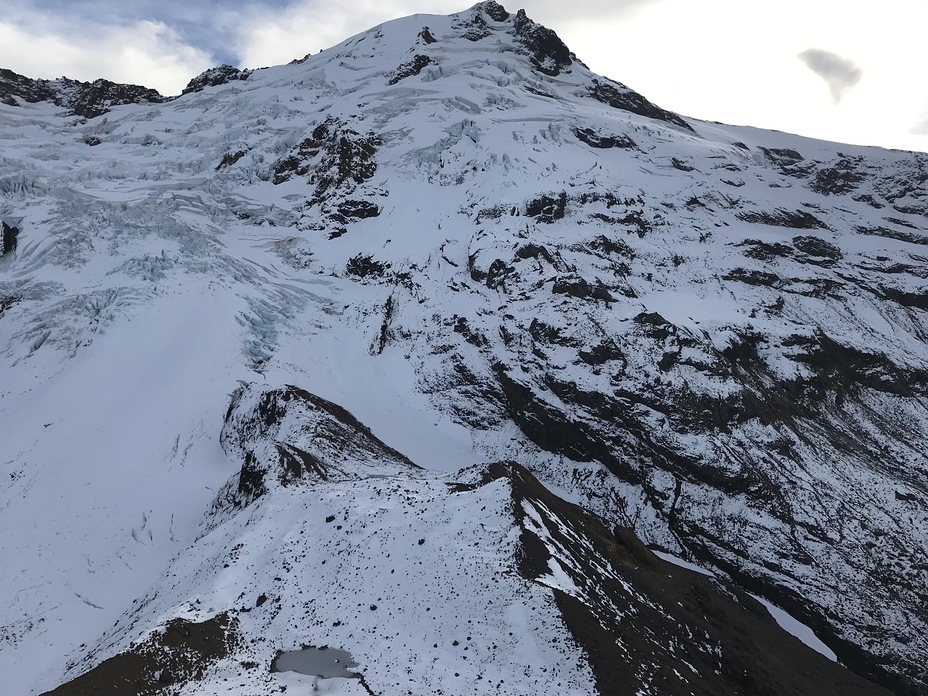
x,y
316,355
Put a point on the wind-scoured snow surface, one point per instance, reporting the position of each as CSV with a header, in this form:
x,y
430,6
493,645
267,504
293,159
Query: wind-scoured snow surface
x,y
449,227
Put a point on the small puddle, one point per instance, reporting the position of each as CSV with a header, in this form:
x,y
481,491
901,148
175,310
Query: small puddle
x,y
324,663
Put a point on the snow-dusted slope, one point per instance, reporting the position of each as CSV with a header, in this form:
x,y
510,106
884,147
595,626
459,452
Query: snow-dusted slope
x,y
449,227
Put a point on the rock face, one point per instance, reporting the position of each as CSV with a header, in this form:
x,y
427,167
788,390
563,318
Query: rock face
x,y
177,656
635,615
286,435
213,77
85,99
707,336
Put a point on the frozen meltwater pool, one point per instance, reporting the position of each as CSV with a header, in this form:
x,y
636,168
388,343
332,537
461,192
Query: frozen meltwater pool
x,y
324,663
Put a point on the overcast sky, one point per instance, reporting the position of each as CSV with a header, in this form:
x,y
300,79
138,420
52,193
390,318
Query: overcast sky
x,y
836,69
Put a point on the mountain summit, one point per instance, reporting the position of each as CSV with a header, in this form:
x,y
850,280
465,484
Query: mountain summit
x,y
406,357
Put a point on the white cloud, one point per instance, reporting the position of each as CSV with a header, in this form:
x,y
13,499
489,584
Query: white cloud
x,y
144,52
839,72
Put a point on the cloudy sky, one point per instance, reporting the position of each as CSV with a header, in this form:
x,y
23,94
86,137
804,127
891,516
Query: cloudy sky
x,y
847,71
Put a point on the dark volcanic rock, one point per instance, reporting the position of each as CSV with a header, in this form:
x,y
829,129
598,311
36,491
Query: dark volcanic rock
x,y
15,87
334,156
580,288
795,219
547,208
815,246
230,158
285,435
179,655
766,251
549,54
86,99
494,11
410,68
646,622
841,178
594,139
214,77
10,236
364,266
621,97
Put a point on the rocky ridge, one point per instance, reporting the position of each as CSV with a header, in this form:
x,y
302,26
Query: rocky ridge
x,y
714,336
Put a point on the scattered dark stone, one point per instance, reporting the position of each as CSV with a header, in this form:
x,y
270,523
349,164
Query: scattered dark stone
x,y
330,518
426,36
681,165
373,607
421,542
213,77
262,598
547,209
408,69
593,139
92,141
619,96
548,53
